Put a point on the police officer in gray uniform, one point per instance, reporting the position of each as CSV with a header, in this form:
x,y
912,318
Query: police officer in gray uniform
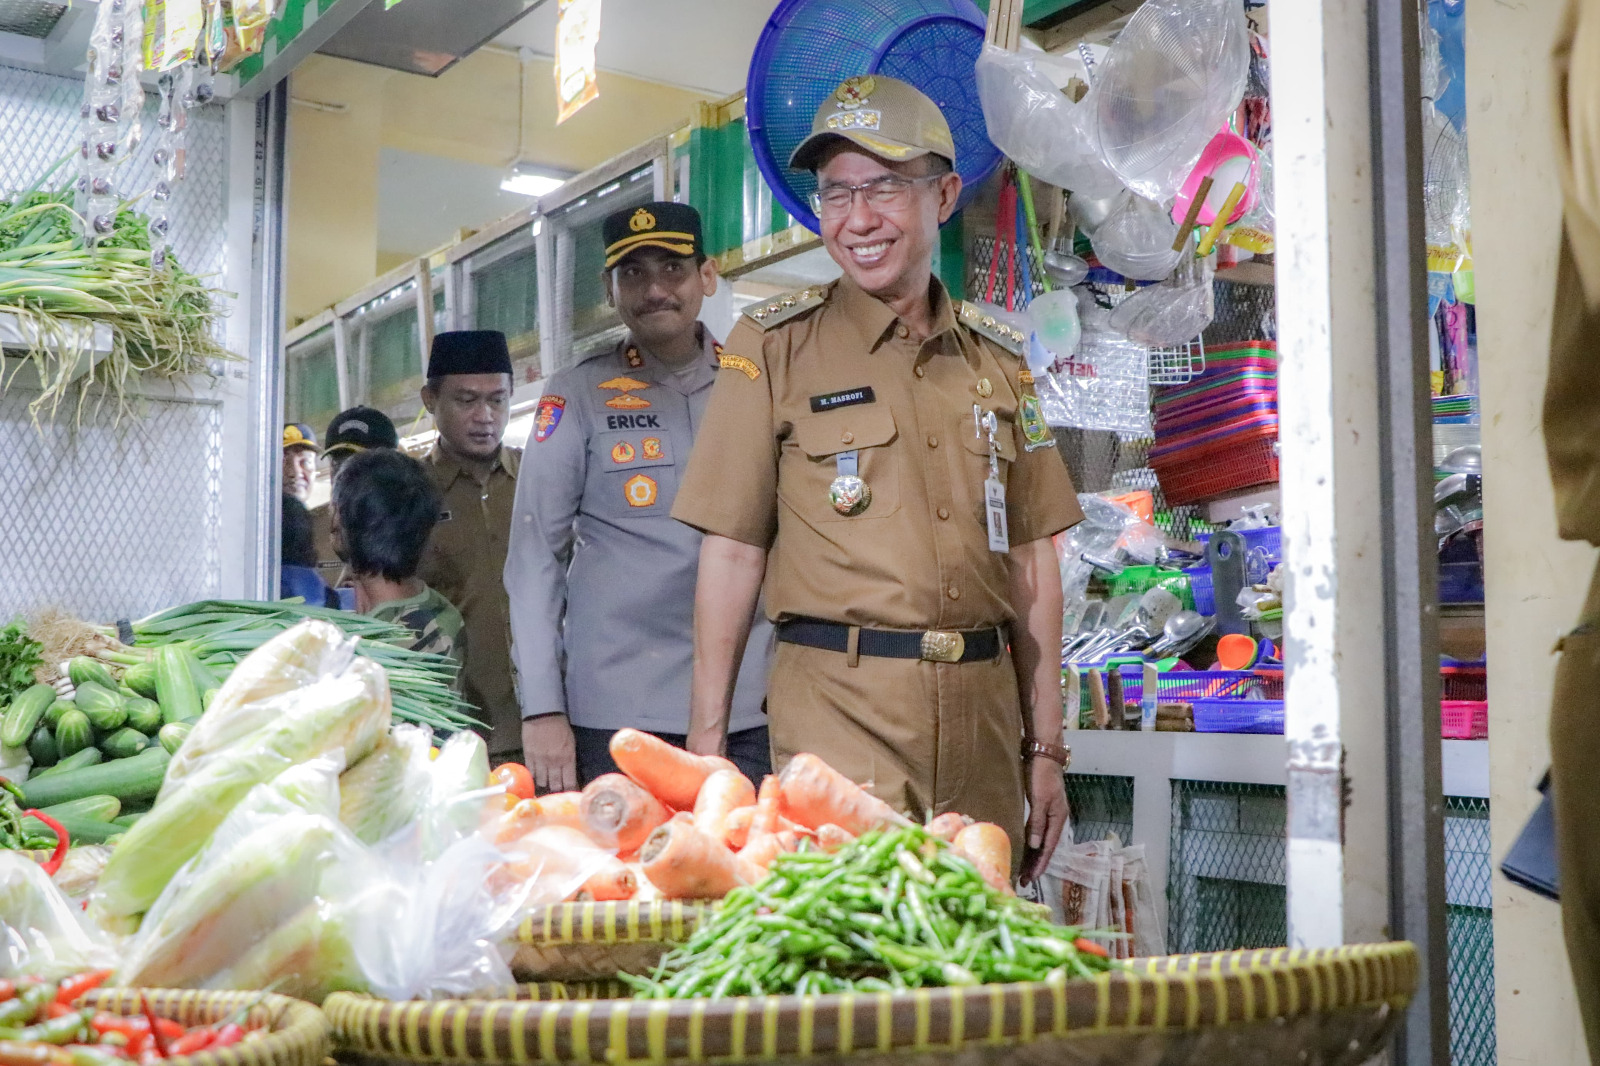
x,y
601,579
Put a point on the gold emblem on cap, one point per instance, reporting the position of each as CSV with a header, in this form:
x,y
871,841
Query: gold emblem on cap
x,y
854,92
985,389
641,221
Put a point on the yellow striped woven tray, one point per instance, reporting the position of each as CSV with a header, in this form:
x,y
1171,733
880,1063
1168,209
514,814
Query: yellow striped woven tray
x,y
298,1033
1332,1006
591,941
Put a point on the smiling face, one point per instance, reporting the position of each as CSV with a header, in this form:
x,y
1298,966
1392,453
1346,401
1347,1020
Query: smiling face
x,y
299,470
886,249
659,294
470,411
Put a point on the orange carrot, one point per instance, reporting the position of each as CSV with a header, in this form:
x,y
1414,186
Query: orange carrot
x,y
832,838
736,826
948,825
685,863
612,881
723,792
989,849
647,891
620,814
561,808
767,800
672,775
814,794
527,815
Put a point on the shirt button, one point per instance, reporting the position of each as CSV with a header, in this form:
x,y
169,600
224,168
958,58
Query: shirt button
x,y
918,370
846,437
944,512
902,333
933,442
954,593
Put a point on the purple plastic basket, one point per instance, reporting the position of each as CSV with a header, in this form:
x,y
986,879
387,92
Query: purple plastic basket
x,y
1238,716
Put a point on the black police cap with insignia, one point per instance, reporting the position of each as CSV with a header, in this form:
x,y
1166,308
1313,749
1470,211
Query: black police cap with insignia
x,y
359,429
469,351
674,227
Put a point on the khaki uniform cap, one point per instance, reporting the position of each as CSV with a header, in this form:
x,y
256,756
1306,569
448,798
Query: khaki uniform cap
x,y
890,118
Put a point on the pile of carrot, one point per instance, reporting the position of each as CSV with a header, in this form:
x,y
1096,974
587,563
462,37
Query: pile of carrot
x,y
687,826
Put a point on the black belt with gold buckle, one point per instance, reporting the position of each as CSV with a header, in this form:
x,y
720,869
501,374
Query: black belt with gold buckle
x,y
932,645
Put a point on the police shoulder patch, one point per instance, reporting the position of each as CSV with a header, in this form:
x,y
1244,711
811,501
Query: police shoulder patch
x,y
780,309
739,363
987,326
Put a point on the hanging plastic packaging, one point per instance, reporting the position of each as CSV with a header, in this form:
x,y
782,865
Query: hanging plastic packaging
x,y
1056,329
1174,312
1037,126
41,931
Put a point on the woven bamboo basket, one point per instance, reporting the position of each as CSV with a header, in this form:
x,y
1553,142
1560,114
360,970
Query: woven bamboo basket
x,y
593,941
297,1033
1332,1007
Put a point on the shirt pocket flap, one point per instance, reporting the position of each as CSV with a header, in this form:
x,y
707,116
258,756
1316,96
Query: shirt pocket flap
x,y
832,432
1005,439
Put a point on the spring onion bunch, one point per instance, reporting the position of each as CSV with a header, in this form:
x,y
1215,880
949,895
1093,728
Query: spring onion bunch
x,y
59,286
221,633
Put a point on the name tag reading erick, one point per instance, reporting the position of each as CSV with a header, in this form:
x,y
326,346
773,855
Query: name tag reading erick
x,y
994,506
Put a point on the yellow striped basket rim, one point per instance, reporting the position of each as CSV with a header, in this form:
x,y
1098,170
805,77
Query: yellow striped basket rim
x,y
628,922
298,1033
1191,992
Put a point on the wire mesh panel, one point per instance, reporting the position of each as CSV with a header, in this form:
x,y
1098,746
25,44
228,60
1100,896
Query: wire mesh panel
x,y
1225,879
1243,313
1469,926
106,521
112,521
1101,804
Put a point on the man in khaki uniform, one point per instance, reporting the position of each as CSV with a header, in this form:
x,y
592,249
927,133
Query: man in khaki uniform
x,y
468,393
868,447
1572,441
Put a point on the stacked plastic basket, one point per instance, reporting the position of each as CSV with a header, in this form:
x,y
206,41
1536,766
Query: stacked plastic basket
x,y
1219,433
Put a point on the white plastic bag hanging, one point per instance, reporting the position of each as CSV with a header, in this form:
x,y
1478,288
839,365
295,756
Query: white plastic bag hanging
x,y
1037,126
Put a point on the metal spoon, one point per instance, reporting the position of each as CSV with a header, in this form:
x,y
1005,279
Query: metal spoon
x,y
1182,632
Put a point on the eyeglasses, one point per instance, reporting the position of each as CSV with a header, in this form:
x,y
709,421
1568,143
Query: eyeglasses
x,y
884,194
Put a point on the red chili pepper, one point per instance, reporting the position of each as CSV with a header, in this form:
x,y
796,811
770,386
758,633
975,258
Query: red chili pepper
x,y
8,991
230,1034
57,1010
73,987
192,1041
156,1036
63,840
1089,947
103,1023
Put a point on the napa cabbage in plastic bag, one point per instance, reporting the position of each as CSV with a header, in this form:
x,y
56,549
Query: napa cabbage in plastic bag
x,y
41,931
315,697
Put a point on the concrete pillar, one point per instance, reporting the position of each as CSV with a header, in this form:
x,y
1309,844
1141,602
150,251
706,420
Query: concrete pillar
x,y
1535,583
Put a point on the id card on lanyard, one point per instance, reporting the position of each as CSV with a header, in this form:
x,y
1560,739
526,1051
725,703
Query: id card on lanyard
x,y
994,493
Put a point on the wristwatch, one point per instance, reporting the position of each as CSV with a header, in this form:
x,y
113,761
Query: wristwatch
x,y
1058,753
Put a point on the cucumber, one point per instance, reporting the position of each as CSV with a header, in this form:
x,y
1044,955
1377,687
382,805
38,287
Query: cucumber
x,y
127,820
175,688
102,706
173,734
142,679
79,830
42,748
83,670
73,733
97,808
125,743
86,757
23,717
143,715
60,707
138,778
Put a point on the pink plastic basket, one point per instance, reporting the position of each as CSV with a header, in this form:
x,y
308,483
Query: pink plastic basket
x,y
1464,719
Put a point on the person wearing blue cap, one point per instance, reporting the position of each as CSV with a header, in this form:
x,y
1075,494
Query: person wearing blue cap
x,y
468,393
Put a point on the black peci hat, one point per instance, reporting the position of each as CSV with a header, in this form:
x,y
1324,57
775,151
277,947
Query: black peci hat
x,y
469,351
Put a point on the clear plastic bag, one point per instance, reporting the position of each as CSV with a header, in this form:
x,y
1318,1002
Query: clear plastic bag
x,y
1136,240
41,931
1104,385
1174,312
301,695
1038,126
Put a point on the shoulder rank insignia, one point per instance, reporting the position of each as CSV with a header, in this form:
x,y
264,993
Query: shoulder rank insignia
x,y
1012,340
739,363
780,309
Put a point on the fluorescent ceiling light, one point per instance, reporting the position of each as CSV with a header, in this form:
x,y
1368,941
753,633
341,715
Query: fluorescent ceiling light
x,y
527,182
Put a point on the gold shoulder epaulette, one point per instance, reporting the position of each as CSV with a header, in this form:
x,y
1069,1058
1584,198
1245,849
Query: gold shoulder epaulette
x,y
1012,340
780,309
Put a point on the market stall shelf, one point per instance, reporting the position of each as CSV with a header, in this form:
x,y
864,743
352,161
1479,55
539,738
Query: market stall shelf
x,y
297,1033
587,941
1332,1006
18,337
